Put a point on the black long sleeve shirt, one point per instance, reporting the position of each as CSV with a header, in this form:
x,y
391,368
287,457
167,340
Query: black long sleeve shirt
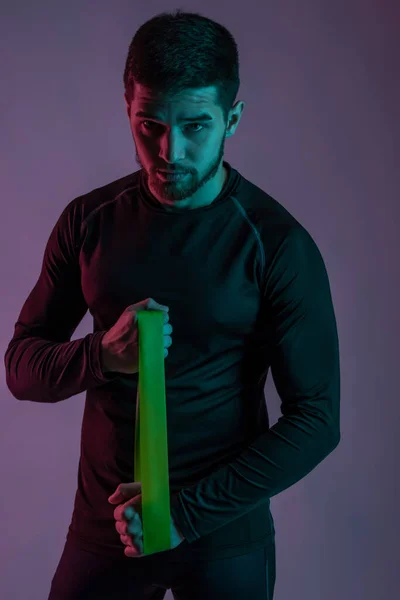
x,y
248,291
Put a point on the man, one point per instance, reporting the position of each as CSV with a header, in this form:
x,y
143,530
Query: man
x,y
247,290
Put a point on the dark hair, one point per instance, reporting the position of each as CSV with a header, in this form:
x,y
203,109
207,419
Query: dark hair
x,y
179,50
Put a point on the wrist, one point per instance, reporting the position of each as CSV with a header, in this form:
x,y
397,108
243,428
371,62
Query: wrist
x,y
105,358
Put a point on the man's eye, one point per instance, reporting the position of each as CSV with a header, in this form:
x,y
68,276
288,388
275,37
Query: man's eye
x,y
143,124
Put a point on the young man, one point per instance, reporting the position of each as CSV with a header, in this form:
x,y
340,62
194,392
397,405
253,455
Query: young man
x,y
247,290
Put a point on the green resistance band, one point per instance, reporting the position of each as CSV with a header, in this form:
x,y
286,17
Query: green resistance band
x,y
151,445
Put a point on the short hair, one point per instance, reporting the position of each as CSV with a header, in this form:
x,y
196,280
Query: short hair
x,y
175,51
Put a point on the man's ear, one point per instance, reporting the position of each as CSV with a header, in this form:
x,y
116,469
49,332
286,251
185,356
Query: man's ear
x,y
128,106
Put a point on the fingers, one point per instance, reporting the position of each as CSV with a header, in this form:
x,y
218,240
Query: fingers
x,y
119,511
132,538
129,526
122,528
133,543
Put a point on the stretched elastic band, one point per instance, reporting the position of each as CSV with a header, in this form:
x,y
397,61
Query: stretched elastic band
x,y
151,444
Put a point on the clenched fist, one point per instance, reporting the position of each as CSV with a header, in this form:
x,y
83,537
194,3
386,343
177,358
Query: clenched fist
x,y
119,346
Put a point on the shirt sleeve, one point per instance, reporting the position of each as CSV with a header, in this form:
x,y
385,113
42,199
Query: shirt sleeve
x,y
301,332
41,362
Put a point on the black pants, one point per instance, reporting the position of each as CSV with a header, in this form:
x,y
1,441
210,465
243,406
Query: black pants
x,y
81,575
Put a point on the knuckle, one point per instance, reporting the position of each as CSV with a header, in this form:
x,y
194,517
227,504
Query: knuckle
x,y
118,527
126,540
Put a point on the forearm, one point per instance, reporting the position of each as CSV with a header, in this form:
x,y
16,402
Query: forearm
x,y
274,461
45,371
106,359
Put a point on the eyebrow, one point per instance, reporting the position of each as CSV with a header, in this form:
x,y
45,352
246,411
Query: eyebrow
x,y
201,117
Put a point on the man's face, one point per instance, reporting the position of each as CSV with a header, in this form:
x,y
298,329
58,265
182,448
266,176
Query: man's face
x,y
184,133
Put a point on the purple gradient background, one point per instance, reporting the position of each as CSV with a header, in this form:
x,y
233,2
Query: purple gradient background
x,y
320,133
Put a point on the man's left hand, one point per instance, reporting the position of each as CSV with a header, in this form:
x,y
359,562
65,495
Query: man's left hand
x,y
128,517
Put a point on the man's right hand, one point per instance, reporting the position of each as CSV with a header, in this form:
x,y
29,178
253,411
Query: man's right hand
x,y
119,346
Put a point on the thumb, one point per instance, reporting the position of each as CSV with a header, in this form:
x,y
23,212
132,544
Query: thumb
x,y
125,491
